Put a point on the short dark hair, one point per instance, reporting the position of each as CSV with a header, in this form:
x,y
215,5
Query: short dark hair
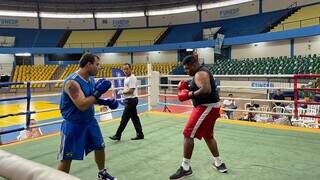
x,y
127,64
189,60
86,58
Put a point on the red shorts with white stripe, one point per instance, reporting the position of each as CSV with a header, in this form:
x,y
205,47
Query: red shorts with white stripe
x,y
201,122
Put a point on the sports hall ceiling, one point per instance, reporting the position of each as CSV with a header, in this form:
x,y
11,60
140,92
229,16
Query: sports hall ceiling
x,y
93,5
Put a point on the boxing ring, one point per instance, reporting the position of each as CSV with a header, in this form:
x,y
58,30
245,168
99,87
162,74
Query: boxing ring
x,y
252,150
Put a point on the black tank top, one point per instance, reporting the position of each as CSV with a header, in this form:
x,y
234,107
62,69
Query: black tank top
x,y
213,97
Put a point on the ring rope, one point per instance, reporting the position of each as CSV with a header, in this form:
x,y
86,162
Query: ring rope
x,y
235,110
245,99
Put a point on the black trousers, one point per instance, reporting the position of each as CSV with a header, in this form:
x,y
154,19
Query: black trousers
x,y
130,111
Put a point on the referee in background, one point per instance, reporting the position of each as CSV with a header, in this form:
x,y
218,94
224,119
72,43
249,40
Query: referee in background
x,y
130,95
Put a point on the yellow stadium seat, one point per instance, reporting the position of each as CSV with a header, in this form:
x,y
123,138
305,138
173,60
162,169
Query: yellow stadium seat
x,y
139,37
33,73
304,17
87,39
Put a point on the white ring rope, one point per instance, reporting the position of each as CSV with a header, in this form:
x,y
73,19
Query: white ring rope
x,y
47,110
245,99
139,86
167,85
239,76
258,112
58,94
55,109
119,109
45,95
172,104
235,110
262,88
237,87
259,100
60,81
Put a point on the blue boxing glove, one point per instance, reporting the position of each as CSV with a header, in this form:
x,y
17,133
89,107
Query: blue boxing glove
x,y
111,103
101,86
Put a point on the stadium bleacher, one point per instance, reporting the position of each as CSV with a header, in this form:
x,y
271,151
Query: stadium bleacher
x,y
139,37
304,17
268,65
24,73
248,25
85,39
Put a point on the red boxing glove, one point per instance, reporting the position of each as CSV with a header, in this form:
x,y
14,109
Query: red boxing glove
x,y
183,85
183,95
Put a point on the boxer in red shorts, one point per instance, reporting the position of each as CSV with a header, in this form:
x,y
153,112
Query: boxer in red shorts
x,y
205,99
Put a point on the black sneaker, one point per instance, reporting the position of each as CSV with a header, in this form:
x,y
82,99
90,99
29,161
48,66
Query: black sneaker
x,y
115,138
222,168
181,173
104,175
137,138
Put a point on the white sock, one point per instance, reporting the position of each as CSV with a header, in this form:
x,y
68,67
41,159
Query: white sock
x,y
217,161
186,163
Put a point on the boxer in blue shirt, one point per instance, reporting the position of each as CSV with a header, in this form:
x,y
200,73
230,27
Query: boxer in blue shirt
x,y
80,132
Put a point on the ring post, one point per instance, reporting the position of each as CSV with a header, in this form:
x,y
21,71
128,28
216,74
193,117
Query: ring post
x,y
28,115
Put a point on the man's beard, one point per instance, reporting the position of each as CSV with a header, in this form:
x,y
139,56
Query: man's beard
x,y
93,74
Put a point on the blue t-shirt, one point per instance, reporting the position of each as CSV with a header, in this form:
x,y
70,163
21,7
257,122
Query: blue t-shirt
x,y
68,109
